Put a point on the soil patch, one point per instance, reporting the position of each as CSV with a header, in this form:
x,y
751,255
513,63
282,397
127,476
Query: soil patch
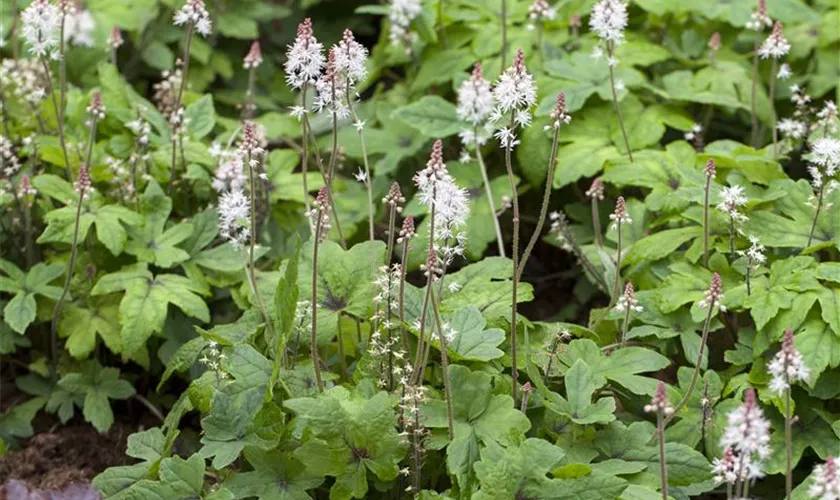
x,y
70,455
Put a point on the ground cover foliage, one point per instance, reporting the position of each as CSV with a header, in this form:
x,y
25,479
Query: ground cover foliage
x,y
440,249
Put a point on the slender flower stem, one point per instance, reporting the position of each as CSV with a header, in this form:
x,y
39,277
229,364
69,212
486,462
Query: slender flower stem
x,y
403,264
773,107
552,163
59,118
504,35
444,357
313,340
731,238
663,468
330,175
555,344
342,362
71,265
252,244
706,220
177,107
749,265
610,49
304,160
596,224
62,68
249,94
754,93
788,443
515,255
624,327
368,179
816,216
489,193
418,359
617,283
697,365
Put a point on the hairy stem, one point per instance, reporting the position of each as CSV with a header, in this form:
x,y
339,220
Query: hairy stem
x,y
552,163
515,255
697,366
252,244
596,223
444,357
754,92
816,216
663,468
788,443
489,193
304,160
342,362
71,264
625,326
178,98
610,49
59,117
773,107
617,283
706,221
368,179
313,340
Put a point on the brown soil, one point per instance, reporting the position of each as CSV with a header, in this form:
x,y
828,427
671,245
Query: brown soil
x,y
70,455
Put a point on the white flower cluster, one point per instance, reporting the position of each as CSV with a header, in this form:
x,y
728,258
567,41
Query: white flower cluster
x,y
78,27
714,295
438,188
23,78
401,14
540,11
825,484
230,172
9,161
747,436
732,199
319,216
115,38
827,118
41,22
824,164
350,58
475,105
759,18
140,128
304,58
755,254
792,129
620,217
96,108
331,92
384,346
784,72
194,13
775,46
83,184
608,20
628,301
787,366
659,402
213,358
253,58
514,93
694,132
596,190
235,217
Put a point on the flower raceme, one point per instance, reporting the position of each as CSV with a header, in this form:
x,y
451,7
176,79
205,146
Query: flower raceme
x,y
826,481
304,58
608,20
254,58
350,58
515,93
475,100
787,366
41,22
194,13
776,46
235,217
437,187
747,435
